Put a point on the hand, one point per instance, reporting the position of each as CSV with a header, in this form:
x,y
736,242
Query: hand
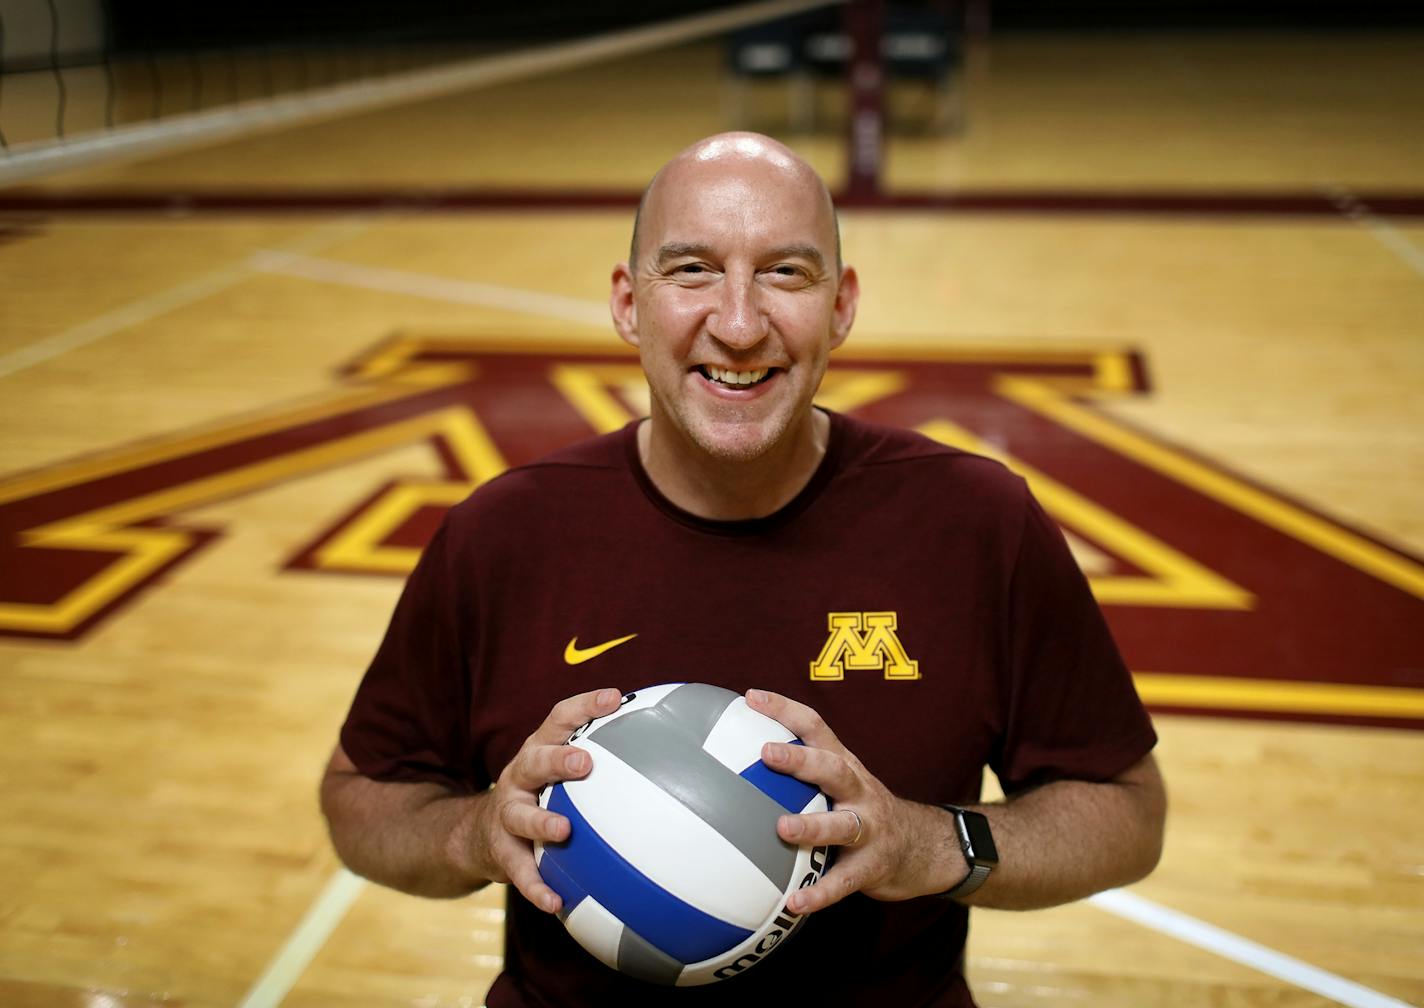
x,y
903,849
509,818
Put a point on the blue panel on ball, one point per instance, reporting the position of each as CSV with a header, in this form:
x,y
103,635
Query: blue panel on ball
x,y
681,930
558,880
788,792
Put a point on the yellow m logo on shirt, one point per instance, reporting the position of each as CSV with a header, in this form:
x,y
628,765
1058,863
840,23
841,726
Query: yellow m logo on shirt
x,y
863,642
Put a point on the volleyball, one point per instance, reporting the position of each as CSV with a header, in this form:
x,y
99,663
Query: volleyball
x,y
672,871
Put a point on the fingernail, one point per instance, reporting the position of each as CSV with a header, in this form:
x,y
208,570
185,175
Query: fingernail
x,y
773,753
575,762
756,696
792,828
550,903
796,903
608,696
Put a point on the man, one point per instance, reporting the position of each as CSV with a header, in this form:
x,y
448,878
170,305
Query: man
x,y
734,537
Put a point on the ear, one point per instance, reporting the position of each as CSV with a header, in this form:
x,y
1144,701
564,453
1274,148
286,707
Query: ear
x,y
624,305
847,300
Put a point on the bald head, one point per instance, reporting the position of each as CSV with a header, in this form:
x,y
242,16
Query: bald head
x,y
727,154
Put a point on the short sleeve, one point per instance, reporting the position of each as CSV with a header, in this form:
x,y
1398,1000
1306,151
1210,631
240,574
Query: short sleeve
x,y
408,721
1073,711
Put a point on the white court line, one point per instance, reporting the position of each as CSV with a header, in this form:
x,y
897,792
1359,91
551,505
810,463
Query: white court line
x,y
467,292
1241,950
1383,231
132,314
145,309
1395,240
305,942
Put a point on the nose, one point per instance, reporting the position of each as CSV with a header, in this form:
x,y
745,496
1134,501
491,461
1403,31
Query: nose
x,y
738,319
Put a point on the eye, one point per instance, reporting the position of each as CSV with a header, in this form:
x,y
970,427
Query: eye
x,y
691,271
788,272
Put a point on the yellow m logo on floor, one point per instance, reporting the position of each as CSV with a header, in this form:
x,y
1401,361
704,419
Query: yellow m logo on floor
x,y
863,642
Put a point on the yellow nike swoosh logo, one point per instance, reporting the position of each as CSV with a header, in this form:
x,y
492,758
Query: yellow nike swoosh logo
x,y
575,655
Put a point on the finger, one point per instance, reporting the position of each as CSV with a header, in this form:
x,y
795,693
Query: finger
x,y
831,888
827,769
524,875
814,829
574,712
537,765
802,721
534,823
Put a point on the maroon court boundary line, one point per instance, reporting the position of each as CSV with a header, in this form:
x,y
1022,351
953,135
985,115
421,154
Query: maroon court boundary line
x,y
1171,203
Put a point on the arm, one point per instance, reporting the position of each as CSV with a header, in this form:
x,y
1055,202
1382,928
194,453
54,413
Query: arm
x,y
1057,843
418,838
1069,839
427,840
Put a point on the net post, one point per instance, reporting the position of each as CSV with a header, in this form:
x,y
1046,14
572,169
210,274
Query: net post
x,y
864,24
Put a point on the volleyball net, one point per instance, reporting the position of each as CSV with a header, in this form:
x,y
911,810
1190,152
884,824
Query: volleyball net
x,y
88,82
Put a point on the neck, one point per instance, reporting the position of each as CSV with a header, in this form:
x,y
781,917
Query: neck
x,y
732,490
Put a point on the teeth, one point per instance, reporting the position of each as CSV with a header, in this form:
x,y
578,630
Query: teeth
x,y
728,377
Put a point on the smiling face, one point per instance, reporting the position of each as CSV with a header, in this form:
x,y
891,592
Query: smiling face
x,y
736,297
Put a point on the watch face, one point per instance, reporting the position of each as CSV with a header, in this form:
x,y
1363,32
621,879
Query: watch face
x,y
981,841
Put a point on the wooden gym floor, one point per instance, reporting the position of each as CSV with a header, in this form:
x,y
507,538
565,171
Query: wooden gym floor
x,y
220,507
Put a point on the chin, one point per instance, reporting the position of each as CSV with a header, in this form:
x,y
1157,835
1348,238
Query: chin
x,y
737,442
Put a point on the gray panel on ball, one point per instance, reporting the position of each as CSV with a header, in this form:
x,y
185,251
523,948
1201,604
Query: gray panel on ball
x,y
656,743
697,707
638,958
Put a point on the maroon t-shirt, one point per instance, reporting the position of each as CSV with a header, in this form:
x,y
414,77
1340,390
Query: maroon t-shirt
x,y
1014,667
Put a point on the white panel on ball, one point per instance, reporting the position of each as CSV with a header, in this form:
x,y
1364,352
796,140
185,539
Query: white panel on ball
x,y
661,837
596,930
737,738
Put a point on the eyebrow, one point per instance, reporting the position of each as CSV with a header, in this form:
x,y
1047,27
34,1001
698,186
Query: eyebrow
x,y
675,250
809,252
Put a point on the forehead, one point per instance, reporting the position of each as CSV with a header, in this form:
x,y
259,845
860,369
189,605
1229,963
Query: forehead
x,y
741,202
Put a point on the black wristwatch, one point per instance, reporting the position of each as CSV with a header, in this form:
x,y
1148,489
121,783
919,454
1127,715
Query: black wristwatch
x,y
977,843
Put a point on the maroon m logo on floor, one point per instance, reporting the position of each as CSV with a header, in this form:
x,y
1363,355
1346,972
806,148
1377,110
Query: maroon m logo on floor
x,y
1224,596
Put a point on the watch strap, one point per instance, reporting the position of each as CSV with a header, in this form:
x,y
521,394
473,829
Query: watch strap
x,y
978,875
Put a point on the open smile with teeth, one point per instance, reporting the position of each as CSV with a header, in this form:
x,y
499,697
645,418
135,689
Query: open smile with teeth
x,y
734,379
